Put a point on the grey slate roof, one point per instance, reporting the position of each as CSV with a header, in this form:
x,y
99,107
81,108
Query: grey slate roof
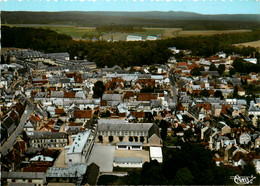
x,y
74,171
112,97
47,135
125,127
23,175
128,160
129,144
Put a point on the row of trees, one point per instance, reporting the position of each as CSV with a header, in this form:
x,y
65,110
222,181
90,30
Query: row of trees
x,y
123,53
131,138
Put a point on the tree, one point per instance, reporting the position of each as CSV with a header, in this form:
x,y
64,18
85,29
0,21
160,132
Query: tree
x,y
2,59
232,71
221,69
183,177
218,94
100,138
212,67
151,173
131,139
205,93
164,127
142,139
71,120
121,138
110,139
98,89
195,71
235,92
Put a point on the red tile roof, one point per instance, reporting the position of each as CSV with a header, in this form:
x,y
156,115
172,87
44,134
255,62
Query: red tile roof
x,y
59,111
83,113
78,79
138,114
69,94
146,96
35,169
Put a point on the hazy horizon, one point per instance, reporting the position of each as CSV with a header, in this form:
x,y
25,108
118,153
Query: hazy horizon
x,y
205,7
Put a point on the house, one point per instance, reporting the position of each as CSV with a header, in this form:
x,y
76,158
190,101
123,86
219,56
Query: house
x,y
238,160
223,127
257,142
129,146
48,139
256,162
156,154
20,178
244,138
133,38
128,162
143,132
254,111
79,151
82,116
74,173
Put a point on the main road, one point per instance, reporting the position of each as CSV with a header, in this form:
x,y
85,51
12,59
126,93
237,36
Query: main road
x,y
10,141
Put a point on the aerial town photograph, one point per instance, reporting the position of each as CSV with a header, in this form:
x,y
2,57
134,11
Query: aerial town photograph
x,y
130,92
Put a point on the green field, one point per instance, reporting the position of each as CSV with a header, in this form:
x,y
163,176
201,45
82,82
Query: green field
x,y
88,32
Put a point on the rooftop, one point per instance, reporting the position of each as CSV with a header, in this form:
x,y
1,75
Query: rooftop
x,y
155,152
128,160
74,170
79,142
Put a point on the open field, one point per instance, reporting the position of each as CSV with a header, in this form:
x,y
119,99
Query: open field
x,y
78,32
255,44
187,33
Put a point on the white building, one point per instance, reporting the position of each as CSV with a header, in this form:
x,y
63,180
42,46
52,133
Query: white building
x,y
133,38
156,154
79,151
151,38
128,162
129,146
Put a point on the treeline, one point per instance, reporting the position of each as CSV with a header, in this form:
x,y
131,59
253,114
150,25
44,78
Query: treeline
x,y
119,28
124,53
186,21
38,39
242,66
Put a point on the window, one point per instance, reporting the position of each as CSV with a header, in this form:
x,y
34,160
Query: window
x,y
13,180
70,160
29,181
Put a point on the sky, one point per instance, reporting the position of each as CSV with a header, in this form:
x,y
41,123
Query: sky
x,y
198,6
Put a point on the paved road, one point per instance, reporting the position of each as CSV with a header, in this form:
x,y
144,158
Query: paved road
x,y
10,141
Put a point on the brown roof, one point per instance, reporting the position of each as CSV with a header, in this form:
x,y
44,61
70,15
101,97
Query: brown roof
x,y
35,118
240,89
180,107
138,114
225,108
146,82
51,122
181,64
146,96
69,94
35,169
128,94
70,75
59,111
239,155
78,79
82,113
